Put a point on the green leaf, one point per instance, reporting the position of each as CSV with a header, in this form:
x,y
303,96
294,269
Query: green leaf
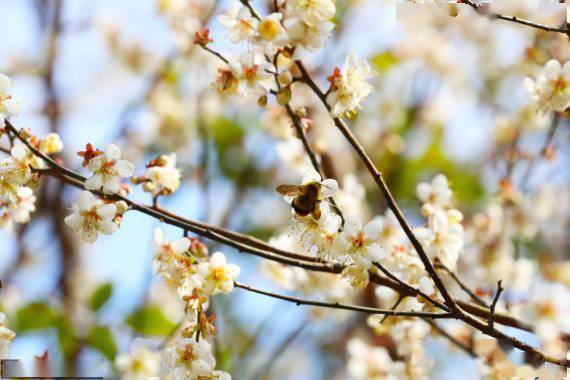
x,y
100,296
36,316
226,133
67,339
102,339
150,320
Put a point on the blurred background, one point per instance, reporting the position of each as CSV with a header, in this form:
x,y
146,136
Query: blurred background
x,y
448,98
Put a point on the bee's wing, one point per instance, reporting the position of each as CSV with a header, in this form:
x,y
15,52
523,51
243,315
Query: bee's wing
x,y
290,190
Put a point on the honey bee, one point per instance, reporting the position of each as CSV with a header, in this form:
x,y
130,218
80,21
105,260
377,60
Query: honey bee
x,y
307,198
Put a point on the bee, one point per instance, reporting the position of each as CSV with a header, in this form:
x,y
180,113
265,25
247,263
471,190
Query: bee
x,y
307,198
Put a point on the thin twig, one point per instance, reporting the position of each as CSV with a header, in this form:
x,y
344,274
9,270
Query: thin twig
x,y
543,150
396,304
379,179
461,284
493,15
491,320
336,305
68,176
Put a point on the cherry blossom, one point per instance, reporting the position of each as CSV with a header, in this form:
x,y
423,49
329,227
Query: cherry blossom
x,y
92,216
108,169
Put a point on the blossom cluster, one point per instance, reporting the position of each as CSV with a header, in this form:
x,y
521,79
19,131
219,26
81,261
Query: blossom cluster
x,y
185,267
276,41
19,177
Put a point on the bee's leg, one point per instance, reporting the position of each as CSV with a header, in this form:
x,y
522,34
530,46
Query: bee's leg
x,y
316,213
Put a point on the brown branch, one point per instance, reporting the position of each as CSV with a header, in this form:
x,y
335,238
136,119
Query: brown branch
x,y
461,284
379,179
514,19
491,320
393,206
543,150
249,244
77,180
336,305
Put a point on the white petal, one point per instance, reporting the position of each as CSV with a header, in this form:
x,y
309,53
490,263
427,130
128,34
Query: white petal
x,y
218,259
329,187
423,190
19,152
426,285
233,270
107,211
74,221
112,186
181,245
352,225
108,227
375,252
158,236
372,229
113,153
552,69
5,84
311,176
86,201
125,168
94,182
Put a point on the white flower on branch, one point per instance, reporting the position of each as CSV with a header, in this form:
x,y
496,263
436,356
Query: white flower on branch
x,y
312,12
253,76
8,106
139,364
360,244
444,237
305,37
162,176
189,359
435,194
241,27
549,310
349,86
215,276
92,216
50,144
16,168
551,90
108,169
170,259
24,205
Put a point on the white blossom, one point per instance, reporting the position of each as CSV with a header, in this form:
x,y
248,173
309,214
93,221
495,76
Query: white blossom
x,y
189,359
349,86
312,12
215,276
241,27
8,106
444,237
306,37
551,90
164,177
169,258
361,243
139,364
92,216
108,169
435,194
